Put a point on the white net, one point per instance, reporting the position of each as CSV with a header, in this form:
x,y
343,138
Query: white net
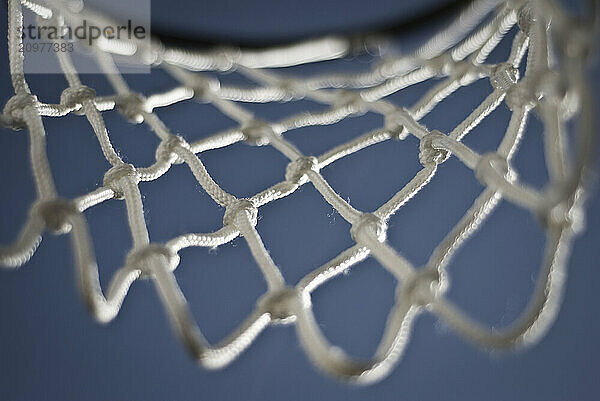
x,y
553,85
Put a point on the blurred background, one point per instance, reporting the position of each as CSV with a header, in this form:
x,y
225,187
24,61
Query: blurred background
x,y
51,348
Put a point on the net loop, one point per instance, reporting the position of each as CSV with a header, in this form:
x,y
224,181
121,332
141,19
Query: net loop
x,y
429,153
55,214
113,177
243,208
148,258
74,96
282,305
369,224
167,149
15,107
296,170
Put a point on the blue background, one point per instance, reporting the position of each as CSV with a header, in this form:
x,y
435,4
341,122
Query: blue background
x,y
50,348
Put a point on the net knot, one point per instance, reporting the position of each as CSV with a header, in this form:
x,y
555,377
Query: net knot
x,y
388,66
242,208
577,41
521,96
55,20
203,86
14,108
368,224
296,170
430,153
393,124
225,58
422,287
492,166
561,211
555,89
563,215
282,304
257,132
74,96
525,18
113,177
132,106
352,101
56,213
143,259
291,88
442,65
504,76
167,149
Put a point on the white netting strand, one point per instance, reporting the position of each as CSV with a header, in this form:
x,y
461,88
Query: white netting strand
x,y
457,56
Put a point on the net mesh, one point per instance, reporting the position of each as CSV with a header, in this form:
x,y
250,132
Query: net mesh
x,y
550,47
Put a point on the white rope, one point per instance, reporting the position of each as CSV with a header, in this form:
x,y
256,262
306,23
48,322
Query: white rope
x,y
456,54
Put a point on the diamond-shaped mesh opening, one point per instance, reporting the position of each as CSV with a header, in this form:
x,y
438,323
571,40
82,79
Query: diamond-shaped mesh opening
x,y
77,172
483,270
457,187
531,168
352,309
220,291
245,170
312,220
393,162
112,240
184,217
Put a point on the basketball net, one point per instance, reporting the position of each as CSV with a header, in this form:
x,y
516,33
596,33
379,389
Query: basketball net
x,y
553,49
